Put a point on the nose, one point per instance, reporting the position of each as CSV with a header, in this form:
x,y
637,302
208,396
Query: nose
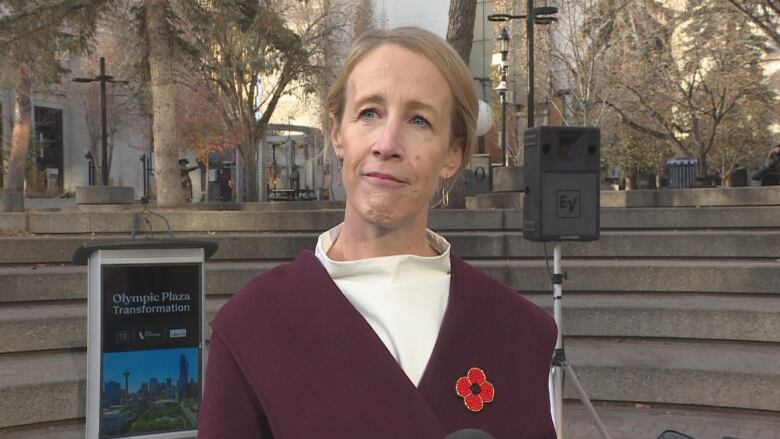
x,y
389,144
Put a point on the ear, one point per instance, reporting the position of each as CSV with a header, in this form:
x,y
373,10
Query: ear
x,y
452,159
335,135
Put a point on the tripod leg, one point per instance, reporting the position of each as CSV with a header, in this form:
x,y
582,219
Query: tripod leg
x,y
556,399
584,398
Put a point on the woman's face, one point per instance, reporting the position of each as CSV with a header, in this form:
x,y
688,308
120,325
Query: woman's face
x,y
395,136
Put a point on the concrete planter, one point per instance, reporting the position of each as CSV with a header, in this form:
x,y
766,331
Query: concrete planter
x,y
104,195
508,179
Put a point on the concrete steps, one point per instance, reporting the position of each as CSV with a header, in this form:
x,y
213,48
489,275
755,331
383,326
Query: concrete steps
x,y
42,387
756,318
183,221
50,386
70,429
52,249
742,196
667,307
673,316
25,284
678,372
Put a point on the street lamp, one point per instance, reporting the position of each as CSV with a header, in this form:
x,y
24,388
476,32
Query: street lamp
x,y
540,15
102,78
501,88
484,82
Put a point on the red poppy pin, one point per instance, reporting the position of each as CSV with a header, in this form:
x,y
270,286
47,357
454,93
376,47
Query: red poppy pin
x,y
475,389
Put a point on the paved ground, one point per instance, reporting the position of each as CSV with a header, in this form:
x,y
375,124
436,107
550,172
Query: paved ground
x,y
648,422
622,422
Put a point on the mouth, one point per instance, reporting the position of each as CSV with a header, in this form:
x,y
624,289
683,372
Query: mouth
x,y
384,177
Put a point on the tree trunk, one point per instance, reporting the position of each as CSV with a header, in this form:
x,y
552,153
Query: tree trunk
x,y
166,169
363,18
460,26
460,35
249,156
248,149
702,169
13,190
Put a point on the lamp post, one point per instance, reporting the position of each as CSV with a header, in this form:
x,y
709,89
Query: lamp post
x,y
483,81
102,78
503,44
540,15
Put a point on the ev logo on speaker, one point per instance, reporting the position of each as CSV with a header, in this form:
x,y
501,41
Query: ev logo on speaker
x,y
567,204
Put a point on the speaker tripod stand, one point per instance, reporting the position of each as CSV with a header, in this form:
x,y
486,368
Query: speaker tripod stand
x,y
560,367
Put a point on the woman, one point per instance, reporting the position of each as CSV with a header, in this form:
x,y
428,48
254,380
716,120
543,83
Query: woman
x,y
382,333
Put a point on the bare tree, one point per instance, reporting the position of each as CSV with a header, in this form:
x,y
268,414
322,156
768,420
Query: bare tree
x,y
763,13
255,53
581,42
685,92
460,35
331,61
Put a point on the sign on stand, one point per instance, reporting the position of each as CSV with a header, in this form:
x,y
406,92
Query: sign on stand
x,y
146,347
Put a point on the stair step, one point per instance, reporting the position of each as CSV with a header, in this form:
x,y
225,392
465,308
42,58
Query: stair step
x,y
50,386
30,327
277,246
70,429
183,221
691,218
42,387
63,325
653,315
642,275
22,284
677,372
743,196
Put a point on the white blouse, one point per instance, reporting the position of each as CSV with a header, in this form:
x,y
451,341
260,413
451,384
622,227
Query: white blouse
x,y
403,297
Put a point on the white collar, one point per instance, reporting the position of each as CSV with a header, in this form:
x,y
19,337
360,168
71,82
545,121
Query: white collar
x,y
393,269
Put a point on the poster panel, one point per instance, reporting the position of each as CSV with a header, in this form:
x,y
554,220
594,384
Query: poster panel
x,y
151,353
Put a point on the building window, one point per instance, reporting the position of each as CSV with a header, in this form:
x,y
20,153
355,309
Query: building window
x,y
45,176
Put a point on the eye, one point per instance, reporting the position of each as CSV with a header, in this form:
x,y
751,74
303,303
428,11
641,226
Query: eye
x,y
421,121
368,113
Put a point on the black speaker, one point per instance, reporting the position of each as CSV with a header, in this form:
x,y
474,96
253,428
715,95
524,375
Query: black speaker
x,y
561,182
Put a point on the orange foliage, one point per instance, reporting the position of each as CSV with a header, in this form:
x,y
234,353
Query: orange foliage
x,y
200,124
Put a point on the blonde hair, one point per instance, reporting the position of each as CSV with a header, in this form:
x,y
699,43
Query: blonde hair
x,y
437,51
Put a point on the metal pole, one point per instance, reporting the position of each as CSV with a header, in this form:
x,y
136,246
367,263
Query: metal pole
x,y
503,128
560,366
530,29
143,173
103,121
484,98
557,375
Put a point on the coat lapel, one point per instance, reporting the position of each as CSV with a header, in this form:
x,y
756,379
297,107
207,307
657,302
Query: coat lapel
x,y
506,339
385,390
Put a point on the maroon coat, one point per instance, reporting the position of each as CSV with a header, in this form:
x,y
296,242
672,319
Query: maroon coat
x,y
290,357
